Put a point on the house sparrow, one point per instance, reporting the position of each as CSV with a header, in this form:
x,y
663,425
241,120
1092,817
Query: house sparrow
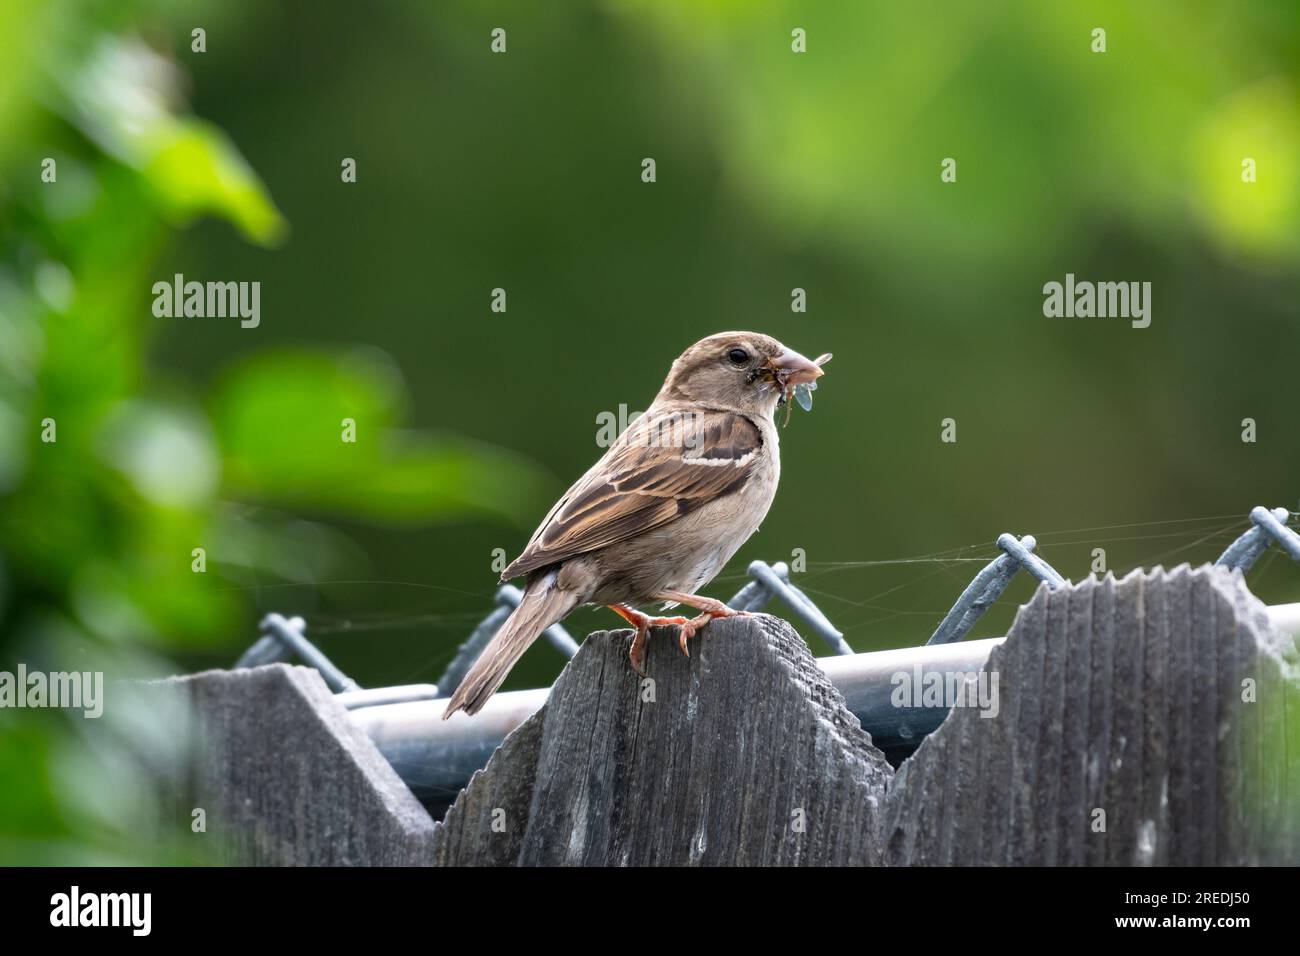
x,y
663,511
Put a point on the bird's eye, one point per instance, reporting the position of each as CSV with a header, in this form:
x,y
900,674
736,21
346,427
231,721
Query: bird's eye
x,y
738,356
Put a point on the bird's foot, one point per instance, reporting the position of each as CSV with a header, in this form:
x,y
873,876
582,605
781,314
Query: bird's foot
x,y
711,608
643,623
689,628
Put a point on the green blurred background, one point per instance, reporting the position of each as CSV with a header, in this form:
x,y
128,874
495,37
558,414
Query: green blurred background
x,y
521,170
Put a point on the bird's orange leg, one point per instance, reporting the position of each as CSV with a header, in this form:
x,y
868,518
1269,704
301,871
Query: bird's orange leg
x,y
710,606
642,623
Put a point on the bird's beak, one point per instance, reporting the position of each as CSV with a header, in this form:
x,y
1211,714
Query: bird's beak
x,y
794,369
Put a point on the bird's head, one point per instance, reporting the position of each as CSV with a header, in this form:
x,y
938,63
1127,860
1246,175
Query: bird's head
x,y
739,371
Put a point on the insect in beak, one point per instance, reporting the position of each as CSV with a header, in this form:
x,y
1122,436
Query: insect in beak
x,y
797,376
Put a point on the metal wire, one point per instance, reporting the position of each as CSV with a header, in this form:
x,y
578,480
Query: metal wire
x,y
285,638
289,634
1270,527
771,581
989,584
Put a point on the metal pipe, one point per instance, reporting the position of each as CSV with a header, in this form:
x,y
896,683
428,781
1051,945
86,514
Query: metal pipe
x,y
875,685
379,696
1285,618
436,757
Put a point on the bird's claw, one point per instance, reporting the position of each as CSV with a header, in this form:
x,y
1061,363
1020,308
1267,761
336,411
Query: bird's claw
x,y
636,653
687,628
685,633
690,628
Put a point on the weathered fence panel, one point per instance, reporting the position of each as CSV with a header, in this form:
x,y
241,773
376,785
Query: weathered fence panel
x,y
285,778
1139,721
743,754
1121,707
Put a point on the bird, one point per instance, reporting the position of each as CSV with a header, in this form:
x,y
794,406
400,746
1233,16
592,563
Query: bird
x,y
662,512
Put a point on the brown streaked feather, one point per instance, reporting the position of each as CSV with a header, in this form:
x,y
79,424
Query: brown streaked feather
x,y
664,465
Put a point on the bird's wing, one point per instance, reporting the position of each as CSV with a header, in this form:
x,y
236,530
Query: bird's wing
x,y
664,465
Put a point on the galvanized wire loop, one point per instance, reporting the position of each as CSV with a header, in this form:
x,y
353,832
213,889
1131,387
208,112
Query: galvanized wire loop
x,y
282,639
1269,527
989,584
267,649
771,581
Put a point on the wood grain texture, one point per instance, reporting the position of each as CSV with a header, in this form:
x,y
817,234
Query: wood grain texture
x,y
1123,698
746,756
1121,738
1163,701
287,779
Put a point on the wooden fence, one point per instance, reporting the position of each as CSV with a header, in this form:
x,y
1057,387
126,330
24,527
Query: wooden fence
x,y
1151,720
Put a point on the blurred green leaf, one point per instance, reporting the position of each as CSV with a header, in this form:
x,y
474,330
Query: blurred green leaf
x,y
124,98
282,419
195,170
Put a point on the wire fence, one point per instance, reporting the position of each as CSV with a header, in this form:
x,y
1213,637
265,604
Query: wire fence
x,y
284,639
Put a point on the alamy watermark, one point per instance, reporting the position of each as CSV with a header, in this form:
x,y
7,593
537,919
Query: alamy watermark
x,y
1102,300
948,689
210,300
75,908
678,430
74,690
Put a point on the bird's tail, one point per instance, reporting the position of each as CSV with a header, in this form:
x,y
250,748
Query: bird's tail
x,y
543,604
